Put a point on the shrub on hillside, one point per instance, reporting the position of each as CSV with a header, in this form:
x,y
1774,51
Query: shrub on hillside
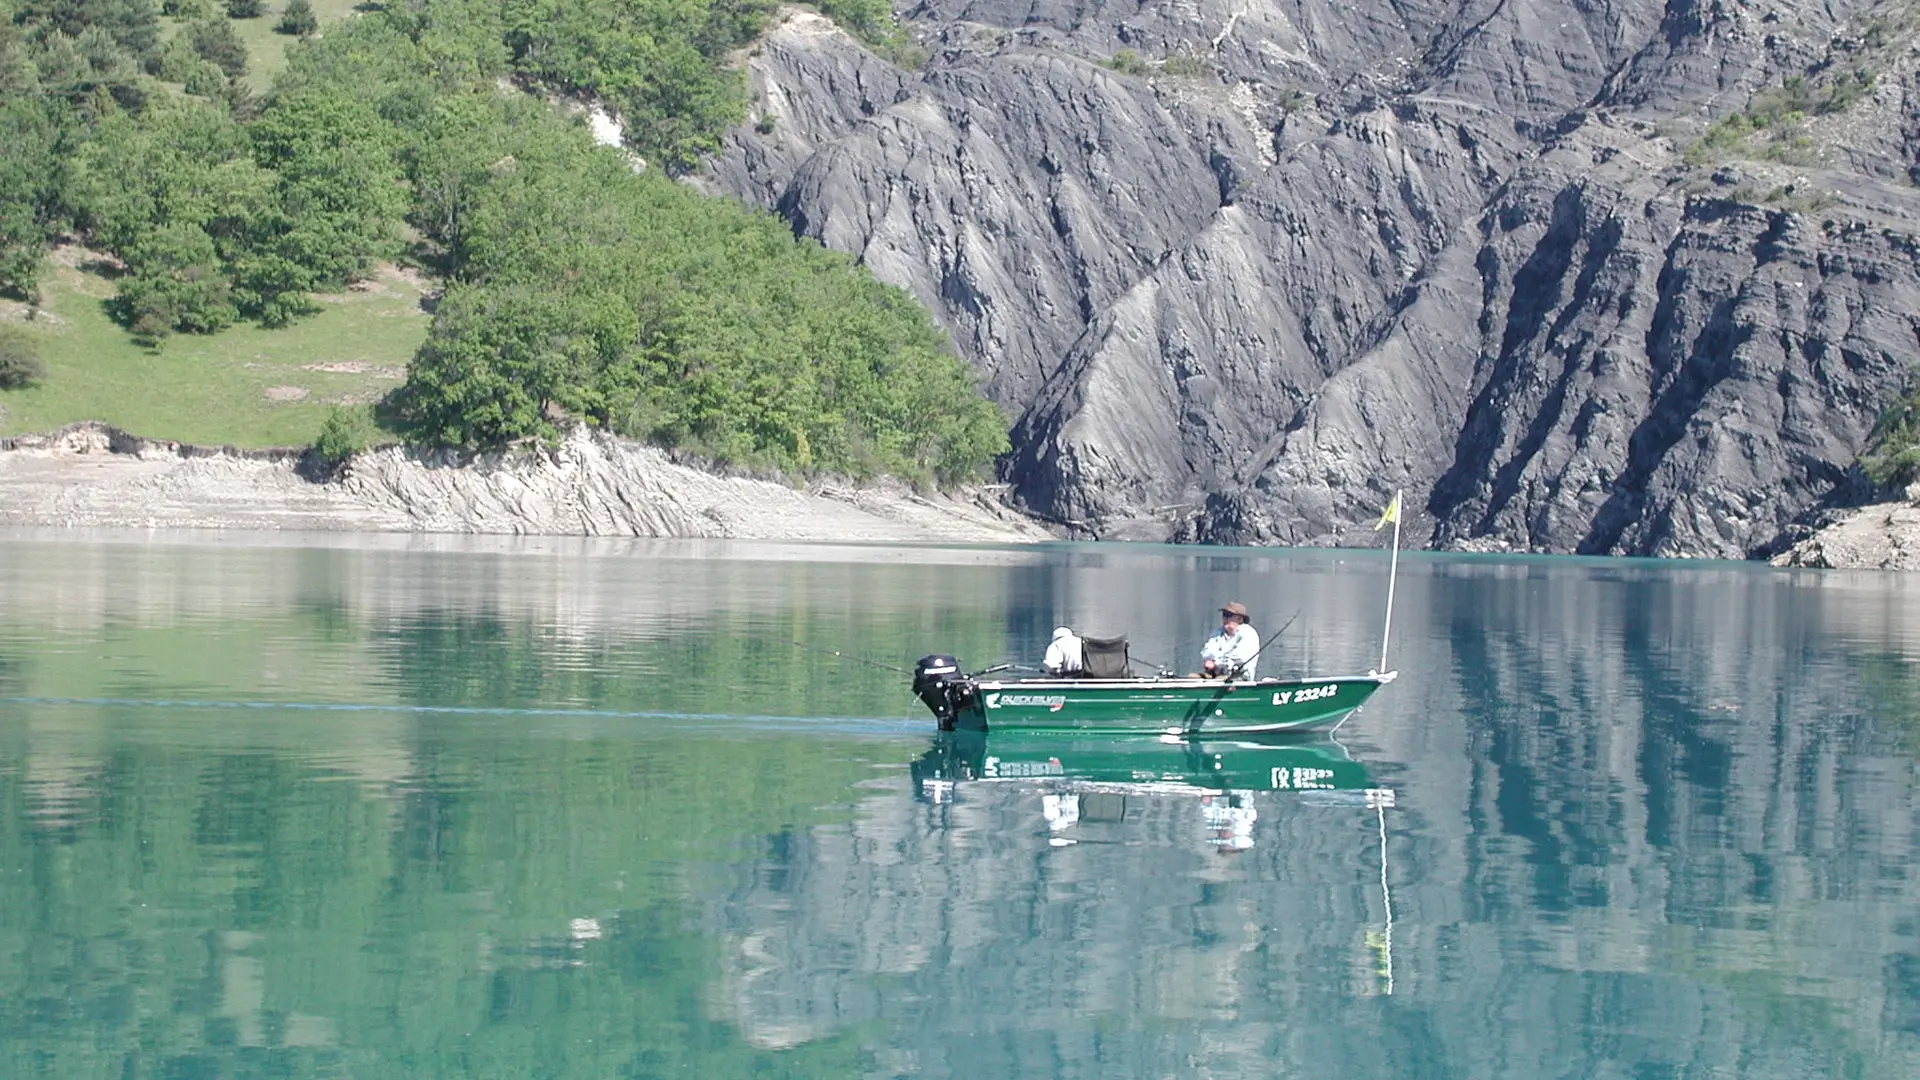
x,y
1184,64
177,59
173,282
298,19
244,9
205,79
1892,457
20,364
347,431
216,40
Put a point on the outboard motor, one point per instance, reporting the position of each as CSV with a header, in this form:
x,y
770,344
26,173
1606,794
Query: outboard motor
x,y
937,681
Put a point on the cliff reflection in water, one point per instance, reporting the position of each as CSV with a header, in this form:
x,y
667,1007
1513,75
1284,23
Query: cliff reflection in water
x,y
580,811
1649,821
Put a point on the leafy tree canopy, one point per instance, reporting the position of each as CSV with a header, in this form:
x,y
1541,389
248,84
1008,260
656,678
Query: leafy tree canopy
x,y
298,19
578,289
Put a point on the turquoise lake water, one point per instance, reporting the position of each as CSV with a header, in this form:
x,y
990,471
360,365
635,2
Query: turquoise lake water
x,y
434,807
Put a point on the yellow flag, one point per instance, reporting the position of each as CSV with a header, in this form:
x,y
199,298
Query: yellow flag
x,y
1391,515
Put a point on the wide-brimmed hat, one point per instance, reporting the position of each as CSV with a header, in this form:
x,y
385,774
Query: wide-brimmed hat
x,y
1234,607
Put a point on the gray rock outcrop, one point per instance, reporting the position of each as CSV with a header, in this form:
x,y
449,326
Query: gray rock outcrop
x,y
1242,270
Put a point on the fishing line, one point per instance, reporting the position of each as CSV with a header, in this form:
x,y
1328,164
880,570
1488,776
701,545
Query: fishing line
x,y
844,656
862,722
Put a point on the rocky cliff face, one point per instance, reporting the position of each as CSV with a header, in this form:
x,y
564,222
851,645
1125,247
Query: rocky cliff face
x,y
1240,270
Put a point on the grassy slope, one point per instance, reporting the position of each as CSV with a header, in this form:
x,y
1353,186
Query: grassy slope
x,y
267,50
215,389
238,387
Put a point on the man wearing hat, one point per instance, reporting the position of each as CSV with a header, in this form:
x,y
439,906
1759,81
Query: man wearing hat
x,y
1230,652
1064,653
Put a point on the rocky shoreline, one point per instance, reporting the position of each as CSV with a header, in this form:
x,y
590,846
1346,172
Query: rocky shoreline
x,y
1883,536
92,475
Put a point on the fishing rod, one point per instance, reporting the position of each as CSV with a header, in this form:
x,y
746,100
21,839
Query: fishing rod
x,y
844,656
890,667
1237,668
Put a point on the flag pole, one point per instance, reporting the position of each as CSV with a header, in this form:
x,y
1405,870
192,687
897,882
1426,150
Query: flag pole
x,y
1393,572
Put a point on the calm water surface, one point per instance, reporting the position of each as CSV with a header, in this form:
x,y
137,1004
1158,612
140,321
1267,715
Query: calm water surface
x,y
422,807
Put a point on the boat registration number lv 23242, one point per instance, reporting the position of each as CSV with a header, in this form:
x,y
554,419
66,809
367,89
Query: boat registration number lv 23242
x,y
1305,693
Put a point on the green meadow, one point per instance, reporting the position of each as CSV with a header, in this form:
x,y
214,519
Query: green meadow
x,y
267,47
246,386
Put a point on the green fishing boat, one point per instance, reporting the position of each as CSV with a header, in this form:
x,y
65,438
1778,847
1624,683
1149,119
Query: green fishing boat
x,y
1106,695
1162,704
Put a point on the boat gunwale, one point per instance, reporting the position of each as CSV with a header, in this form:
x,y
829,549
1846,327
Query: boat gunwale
x,y
1180,683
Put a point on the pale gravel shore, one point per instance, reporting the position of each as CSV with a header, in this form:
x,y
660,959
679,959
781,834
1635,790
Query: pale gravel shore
x,y
1883,536
91,476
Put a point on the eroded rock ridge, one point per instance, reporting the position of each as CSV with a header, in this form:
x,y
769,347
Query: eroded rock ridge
x,y
589,484
1242,269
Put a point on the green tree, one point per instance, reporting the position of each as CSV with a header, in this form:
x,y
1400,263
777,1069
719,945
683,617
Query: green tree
x,y
577,290
737,340
867,19
133,25
337,202
216,40
175,283
1892,456
244,9
188,163
662,65
38,137
509,362
346,432
20,364
91,72
205,79
175,195
298,19
177,58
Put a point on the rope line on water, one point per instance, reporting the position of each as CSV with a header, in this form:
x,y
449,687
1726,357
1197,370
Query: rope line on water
x,y
454,710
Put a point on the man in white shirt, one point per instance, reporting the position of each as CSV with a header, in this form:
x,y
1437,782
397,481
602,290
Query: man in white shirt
x,y
1064,655
1229,820
1230,652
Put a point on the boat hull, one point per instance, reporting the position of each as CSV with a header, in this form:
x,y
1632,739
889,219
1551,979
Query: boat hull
x,y
1165,706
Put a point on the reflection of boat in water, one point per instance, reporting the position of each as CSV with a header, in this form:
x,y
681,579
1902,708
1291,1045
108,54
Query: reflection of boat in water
x,y
1088,787
1150,764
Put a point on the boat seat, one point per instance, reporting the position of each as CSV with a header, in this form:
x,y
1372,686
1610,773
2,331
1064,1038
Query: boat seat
x,y
1104,658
